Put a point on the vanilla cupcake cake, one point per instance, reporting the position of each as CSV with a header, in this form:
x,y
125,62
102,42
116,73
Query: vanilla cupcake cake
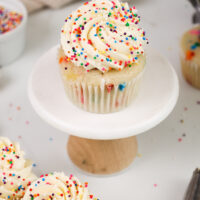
x,y
57,186
15,171
190,47
102,57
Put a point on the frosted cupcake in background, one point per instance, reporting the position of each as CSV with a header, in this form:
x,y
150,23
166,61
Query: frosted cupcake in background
x,y
58,186
15,171
102,57
190,56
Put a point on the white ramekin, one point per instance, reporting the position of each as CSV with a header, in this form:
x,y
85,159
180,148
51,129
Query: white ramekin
x,y
12,43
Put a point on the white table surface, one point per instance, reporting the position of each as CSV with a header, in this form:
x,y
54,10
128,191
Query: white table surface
x,y
168,153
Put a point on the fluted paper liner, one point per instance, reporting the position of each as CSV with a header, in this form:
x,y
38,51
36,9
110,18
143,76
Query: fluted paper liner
x,y
191,71
105,98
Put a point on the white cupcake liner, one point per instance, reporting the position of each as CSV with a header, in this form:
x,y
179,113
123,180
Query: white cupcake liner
x,y
192,71
105,98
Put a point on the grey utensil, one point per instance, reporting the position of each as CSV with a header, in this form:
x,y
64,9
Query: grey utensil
x,y
193,191
196,16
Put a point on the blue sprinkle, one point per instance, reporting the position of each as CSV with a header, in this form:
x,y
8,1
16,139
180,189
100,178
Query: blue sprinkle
x,y
19,188
193,47
107,23
122,86
34,165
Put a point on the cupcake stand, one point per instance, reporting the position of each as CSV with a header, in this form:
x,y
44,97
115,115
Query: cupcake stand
x,y
103,143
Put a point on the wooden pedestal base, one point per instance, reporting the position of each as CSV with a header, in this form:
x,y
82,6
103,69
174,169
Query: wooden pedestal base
x,y
102,156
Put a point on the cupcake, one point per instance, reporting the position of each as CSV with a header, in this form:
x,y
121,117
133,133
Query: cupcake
x,y
57,186
190,45
102,57
15,171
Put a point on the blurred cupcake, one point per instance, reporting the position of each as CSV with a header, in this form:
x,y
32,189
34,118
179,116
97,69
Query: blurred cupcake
x,y
15,171
57,186
101,56
190,45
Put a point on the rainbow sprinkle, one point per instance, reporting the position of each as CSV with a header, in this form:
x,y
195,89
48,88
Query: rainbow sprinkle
x,y
194,46
9,20
106,55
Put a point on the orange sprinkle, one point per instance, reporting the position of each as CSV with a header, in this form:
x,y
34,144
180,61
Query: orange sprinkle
x,y
60,60
189,55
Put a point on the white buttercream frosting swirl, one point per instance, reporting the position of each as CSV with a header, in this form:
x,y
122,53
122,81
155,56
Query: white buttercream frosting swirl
x,y
15,171
11,156
103,34
57,186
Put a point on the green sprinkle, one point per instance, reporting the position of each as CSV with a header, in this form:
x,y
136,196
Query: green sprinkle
x,y
95,58
127,24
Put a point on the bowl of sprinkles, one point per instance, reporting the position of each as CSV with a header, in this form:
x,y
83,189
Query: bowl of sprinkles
x,y
13,19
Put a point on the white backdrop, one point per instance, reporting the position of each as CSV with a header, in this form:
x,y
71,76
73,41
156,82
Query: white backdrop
x,y
168,153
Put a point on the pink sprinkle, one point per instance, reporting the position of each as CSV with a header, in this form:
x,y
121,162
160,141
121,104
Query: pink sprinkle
x,y
180,139
27,122
195,32
10,105
155,185
10,118
18,108
185,108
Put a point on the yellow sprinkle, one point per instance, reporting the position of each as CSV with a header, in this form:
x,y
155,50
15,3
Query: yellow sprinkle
x,y
139,155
